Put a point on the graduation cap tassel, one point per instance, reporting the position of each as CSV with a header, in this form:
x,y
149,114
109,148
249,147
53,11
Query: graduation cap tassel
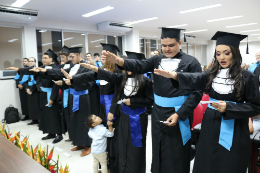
x,y
184,38
247,50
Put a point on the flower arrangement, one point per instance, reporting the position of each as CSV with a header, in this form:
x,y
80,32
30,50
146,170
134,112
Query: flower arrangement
x,y
42,156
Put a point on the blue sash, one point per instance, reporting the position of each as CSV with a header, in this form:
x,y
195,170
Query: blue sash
x,y
17,76
107,101
98,64
48,91
65,98
24,79
226,129
176,102
32,82
135,125
76,95
253,67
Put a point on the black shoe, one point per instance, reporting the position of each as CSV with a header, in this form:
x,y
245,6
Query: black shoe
x,y
68,140
57,139
33,122
25,118
49,136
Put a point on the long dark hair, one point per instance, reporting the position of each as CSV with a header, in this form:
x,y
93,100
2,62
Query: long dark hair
x,y
138,79
235,72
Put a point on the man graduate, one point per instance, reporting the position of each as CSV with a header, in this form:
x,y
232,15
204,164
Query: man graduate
x,y
170,140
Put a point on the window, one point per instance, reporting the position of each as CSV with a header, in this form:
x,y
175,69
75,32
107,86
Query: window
x,y
10,47
94,41
116,40
48,40
150,47
71,39
141,41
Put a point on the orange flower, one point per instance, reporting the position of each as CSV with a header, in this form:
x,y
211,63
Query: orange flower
x,y
51,154
61,170
51,167
38,158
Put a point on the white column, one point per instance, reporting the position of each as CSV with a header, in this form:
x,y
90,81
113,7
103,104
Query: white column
x,y
132,40
29,42
210,51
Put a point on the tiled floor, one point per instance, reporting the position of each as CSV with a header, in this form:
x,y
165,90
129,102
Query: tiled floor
x,y
76,163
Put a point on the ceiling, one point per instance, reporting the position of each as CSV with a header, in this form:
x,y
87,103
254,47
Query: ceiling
x,y
167,12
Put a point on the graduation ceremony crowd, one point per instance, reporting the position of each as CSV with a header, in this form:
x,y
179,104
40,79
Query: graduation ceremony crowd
x,y
102,104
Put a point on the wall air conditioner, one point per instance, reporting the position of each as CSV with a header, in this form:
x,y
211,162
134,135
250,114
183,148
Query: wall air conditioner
x,y
109,26
17,15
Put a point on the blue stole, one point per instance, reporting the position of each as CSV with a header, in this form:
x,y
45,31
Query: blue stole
x,y
32,82
17,76
147,74
65,98
135,125
176,102
24,79
107,101
48,91
226,129
76,95
98,64
253,67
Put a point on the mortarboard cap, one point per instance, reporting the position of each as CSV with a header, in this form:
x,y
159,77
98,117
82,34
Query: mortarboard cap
x,y
172,33
110,47
230,39
75,50
51,54
134,55
65,49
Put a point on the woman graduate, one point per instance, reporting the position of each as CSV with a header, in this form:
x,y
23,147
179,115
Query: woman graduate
x,y
136,93
224,143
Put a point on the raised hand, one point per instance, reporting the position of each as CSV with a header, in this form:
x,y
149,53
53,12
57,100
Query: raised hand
x,y
88,66
35,69
113,58
166,74
66,74
67,81
12,68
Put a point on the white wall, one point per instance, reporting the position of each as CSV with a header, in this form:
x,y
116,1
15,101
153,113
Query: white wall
x,y
9,95
29,42
210,51
132,40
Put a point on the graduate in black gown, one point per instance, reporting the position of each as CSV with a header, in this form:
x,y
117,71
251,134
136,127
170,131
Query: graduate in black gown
x,y
79,102
137,92
171,144
50,119
20,83
33,95
107,108
224,142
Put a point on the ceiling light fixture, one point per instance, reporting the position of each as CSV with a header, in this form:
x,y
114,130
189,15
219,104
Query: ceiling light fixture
x,y
19,3
200,8
176,26
245,41
139,21
82,34
226,18
251,30
12,40
195,31
76,45
46,44
68,38
98,46
96,40
241,25
98,11
254,34
42,30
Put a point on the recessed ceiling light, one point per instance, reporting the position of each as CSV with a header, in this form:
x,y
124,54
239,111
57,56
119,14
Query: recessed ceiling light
x,y
98,46
42,30
245,41
46,44
195,31
98,11
30,18
114,36
139,21
68,38
12,40
82,34
226,18
251,30
19,3
96,41
154,36
176,26
241,25
201,8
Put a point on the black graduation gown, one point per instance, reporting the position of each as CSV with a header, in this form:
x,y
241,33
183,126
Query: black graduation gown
x,y
169,153
33,100
65,113
210,155
23,96
131,158
50,119
104,90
